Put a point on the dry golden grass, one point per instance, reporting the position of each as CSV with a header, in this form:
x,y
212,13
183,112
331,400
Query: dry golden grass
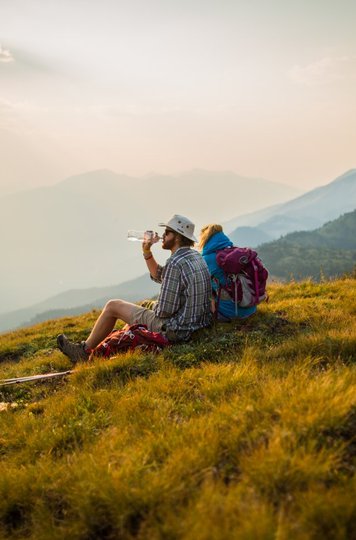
x,y
246,432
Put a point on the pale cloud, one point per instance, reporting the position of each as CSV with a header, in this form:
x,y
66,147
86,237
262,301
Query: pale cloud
x,y
5,55
325,71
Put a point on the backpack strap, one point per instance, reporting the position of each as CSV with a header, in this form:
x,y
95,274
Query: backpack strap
x,y
218,295
235,279
257,288
219,316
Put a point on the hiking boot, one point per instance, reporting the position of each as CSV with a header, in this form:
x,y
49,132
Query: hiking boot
x,y
74,351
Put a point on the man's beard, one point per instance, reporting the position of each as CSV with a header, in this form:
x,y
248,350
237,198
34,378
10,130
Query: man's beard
x,y
168,243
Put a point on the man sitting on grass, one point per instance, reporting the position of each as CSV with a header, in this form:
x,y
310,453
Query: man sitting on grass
x,y
183,305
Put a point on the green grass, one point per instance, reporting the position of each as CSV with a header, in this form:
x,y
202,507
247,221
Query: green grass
x,y
246,432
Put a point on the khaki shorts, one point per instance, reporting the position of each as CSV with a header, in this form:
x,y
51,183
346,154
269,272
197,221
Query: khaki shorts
x,y
141,315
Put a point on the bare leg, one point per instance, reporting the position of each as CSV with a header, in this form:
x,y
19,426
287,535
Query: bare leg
x,y
113,310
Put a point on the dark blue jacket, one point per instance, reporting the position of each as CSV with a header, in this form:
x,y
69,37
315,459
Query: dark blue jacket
x,y
226,307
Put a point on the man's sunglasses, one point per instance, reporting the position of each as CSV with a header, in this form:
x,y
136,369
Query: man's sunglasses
x,y
167,231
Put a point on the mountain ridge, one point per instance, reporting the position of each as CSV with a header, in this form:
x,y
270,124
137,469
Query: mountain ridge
x,y
326,252
305,212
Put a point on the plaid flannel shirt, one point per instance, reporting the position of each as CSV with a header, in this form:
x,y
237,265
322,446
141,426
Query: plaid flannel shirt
x,y
184,299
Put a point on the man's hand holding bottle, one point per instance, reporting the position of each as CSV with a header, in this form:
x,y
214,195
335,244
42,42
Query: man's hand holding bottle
x,y
149,239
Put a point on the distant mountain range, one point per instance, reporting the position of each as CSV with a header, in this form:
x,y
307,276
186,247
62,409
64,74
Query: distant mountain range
x,y
73,235
306,212
329,251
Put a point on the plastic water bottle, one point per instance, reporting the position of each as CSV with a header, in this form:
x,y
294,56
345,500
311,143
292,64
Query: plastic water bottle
x,y
139,236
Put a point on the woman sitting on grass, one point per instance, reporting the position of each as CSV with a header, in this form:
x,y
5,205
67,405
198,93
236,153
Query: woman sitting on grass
x,y
211,240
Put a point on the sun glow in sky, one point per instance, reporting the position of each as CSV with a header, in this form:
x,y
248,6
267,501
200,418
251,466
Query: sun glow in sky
x,y
266,89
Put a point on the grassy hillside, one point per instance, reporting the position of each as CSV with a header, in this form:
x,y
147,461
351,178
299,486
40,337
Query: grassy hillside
x,y
328,251
246,432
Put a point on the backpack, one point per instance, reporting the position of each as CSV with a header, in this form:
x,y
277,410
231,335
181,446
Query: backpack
x,y
131,337
245,276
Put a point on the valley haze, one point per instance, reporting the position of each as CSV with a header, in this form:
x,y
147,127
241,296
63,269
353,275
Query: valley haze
x,y
74,234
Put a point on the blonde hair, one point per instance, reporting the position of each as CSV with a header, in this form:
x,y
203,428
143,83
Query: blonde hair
x,y
207,232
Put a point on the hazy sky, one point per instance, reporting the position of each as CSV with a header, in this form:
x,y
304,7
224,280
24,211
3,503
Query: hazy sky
x,y
262,87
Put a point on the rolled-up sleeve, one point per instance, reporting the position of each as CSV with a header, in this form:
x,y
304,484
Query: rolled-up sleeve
x,y
169,298
158,278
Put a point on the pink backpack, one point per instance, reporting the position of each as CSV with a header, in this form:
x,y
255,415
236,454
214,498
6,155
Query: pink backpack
x,y
131,337
245,275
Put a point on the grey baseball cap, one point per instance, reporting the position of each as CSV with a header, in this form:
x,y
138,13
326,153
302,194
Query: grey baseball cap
x,y
181,225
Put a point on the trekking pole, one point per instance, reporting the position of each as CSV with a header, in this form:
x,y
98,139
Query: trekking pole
x,y
17,380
